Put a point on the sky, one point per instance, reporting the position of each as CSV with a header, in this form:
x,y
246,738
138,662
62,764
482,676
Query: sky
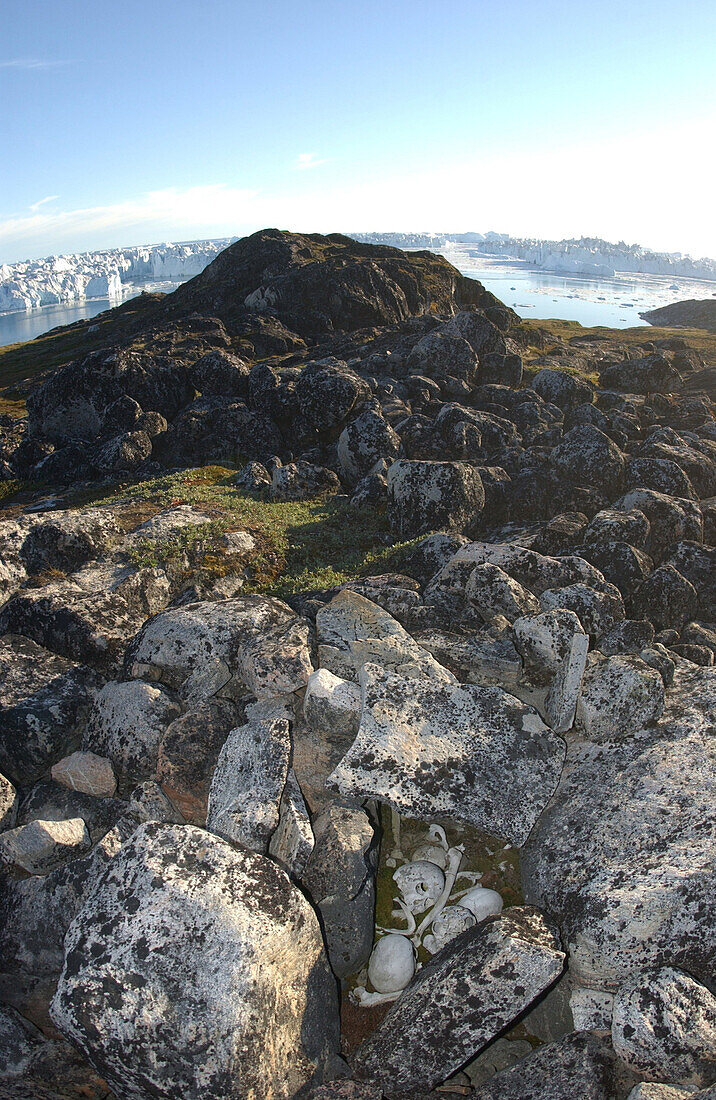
x,y
138,122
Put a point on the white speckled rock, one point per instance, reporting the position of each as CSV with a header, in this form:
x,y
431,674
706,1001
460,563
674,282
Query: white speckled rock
x,y
86,772
196,969
591,1009
203,649
352,631
41,846
545,640
597,611
469,753
494,592
425,496
248,782
331,706
619,695
293,841
8,804
564,692
664,1027
623,855
125,726
460,1000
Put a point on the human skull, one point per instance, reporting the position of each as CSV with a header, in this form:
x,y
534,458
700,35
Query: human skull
x,y
391,964
482,902
435,849
421,883
453,920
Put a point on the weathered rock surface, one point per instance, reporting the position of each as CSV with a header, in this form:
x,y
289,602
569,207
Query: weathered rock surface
x,y
432,496
156,1016
248,782
463,997
664,1027
470,753
41,846
629,878
203,650
87,773
619,696
125,726
43,701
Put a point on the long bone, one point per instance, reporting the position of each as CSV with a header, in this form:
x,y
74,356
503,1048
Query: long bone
x,y
454,861
400,931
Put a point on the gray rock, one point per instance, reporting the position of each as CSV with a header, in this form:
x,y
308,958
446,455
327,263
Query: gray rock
x,y
43,701
432,496
90,615
148,802
562,389
49,801
487,656
340,878
564,692
545,640
494,592
591,1009
665,598
248,782
587,456
331,706
464,752
67,540
632,883
19,1041
352,631
201,650
154,1015
125,725
619,695
8,804
664,1027
293,841
629,636
578,1065
460,1000
41,846
612,524
596,611
365,441
649,1090
303,481
671,519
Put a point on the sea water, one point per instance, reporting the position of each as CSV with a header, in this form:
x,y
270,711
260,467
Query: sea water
x,y
614,302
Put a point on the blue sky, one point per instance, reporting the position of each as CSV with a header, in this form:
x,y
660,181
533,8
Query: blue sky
x,y
128,123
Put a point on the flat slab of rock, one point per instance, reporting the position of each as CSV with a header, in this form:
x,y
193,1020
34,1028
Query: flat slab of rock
x,y
254,643
623,856
87,773
352,631
167,987
619,695
469,753
577,1065
460,1000
248,783
41,846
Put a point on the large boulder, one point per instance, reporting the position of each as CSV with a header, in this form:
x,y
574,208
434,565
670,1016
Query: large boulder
x,y
207,649
44,700
214,429
460,1000
468,753
67,540
171,985
586,456
432,496
562,389
632,882
72,403
365,441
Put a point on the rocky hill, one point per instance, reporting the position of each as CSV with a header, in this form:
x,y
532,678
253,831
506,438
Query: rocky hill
x,y
356,698
694,313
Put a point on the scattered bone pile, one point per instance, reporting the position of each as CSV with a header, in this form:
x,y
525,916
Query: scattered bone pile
x,y
206,794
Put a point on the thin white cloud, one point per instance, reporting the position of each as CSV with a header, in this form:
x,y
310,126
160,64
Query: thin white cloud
x,y
305,161
30,63
203,210
41,202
